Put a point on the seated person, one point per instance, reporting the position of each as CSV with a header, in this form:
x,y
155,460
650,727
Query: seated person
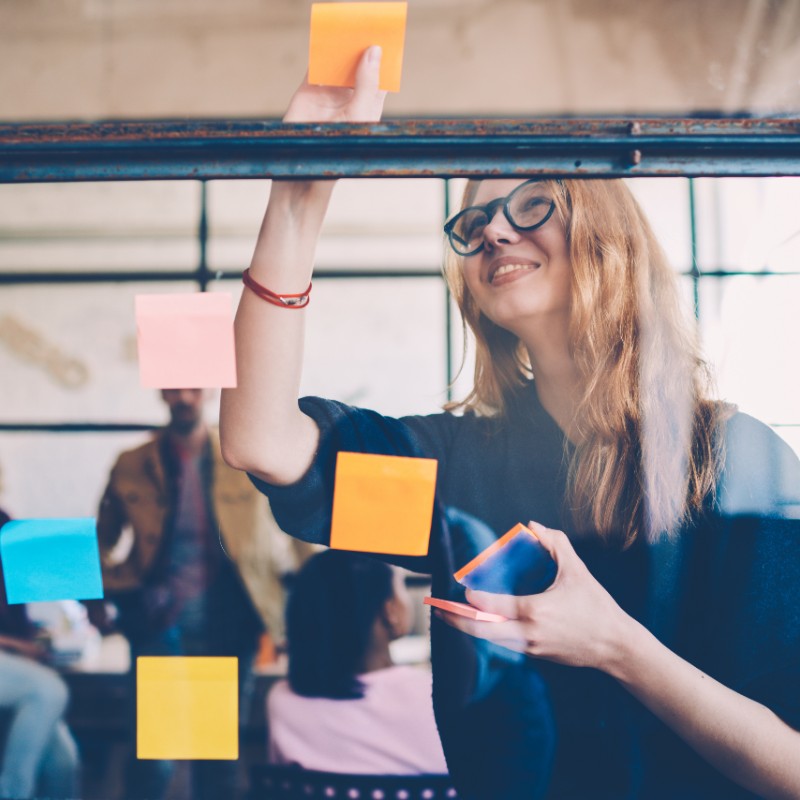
x,y
39,750
346,707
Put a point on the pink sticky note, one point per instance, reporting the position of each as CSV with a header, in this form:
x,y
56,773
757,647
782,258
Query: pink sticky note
x,y
464,610
185,340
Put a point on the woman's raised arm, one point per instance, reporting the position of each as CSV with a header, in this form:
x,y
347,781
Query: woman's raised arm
x,y
262,429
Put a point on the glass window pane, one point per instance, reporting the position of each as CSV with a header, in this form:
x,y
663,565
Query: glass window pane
x,y
68,353
666,203
749,326
376,343
391,224
84,227
58,474
748,224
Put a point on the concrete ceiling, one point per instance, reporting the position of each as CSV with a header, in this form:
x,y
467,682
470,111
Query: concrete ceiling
x,y
77,59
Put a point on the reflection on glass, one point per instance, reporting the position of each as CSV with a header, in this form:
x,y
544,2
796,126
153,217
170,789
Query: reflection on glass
x,y
99,227
592,418
684,509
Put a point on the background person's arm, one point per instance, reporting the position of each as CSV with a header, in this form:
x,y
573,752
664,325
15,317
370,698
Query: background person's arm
x,y
24,647
262,429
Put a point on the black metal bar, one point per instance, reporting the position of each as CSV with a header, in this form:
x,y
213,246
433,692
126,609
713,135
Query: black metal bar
x,y
400,148
739,273
695,270
204,276
129,276
194,276
448,313
33,278
136,427
75,427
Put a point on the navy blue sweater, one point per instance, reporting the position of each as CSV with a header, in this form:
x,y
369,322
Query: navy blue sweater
x,y
725,595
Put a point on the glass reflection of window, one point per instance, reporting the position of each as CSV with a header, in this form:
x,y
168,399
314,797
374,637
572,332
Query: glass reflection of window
x,y
748,244
73,255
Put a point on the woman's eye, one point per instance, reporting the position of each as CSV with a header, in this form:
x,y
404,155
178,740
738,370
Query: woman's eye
x,y
474,229
534,202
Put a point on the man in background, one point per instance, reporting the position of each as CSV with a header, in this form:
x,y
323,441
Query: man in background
x,y
194,561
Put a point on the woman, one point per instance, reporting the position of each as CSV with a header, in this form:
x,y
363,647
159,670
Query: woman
x,y
345,707
663,661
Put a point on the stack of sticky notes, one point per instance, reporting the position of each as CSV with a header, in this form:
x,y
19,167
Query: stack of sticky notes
x,y
517,563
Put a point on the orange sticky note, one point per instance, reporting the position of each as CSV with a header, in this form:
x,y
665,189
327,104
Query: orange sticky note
x,y
341,32
187,708
383,504
186,340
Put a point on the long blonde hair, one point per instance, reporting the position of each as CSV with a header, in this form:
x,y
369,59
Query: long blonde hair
x,y
646,453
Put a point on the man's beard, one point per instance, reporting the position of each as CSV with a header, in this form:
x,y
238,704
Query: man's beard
x,y
182,424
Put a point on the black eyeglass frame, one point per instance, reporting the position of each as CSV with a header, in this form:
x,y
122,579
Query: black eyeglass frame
x,y
490,209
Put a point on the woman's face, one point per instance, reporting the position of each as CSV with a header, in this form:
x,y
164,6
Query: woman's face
x,y
518,276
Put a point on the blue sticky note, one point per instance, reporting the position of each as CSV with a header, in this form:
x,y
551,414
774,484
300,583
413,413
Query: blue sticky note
x,y
517,563
51,559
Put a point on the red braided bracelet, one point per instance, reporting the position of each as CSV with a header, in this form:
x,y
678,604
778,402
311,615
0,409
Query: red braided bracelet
x,y
292,301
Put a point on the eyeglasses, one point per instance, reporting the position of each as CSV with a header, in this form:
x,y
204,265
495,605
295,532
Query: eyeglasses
x,y
528,207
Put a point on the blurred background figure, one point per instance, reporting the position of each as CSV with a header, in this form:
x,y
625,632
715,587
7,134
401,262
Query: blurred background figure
x,y
40,757
193,562
345,706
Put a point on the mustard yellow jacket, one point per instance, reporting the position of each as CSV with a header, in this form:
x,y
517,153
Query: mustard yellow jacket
x,y
136,508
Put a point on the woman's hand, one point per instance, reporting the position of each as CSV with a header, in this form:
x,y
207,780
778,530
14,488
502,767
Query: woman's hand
x,y
575,621
364,103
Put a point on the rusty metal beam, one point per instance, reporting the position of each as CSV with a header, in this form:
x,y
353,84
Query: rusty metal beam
x,y
112,151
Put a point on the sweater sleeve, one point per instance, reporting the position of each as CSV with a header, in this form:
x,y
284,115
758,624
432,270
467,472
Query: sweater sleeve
x,y
303,509
750,570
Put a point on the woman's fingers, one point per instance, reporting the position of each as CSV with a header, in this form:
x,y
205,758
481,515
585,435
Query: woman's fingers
x,y
506,634
556,542
505,604
367,102
363,103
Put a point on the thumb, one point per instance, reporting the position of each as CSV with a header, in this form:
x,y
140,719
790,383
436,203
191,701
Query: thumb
x,y
367,95
505,604
368,71
555,542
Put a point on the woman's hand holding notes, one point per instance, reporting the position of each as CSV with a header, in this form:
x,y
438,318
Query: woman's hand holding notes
x,y
363,103
575,621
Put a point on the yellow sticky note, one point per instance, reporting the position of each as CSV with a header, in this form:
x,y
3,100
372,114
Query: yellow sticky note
x,y
187,708
341,32
383,504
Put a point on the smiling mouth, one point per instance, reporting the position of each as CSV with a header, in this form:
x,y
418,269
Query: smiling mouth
x,y
506,269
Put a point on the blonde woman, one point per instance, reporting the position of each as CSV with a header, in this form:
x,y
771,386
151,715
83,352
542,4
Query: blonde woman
x,y
664,660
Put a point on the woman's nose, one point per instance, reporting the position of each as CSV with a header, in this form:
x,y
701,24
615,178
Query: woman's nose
x,y
500,230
